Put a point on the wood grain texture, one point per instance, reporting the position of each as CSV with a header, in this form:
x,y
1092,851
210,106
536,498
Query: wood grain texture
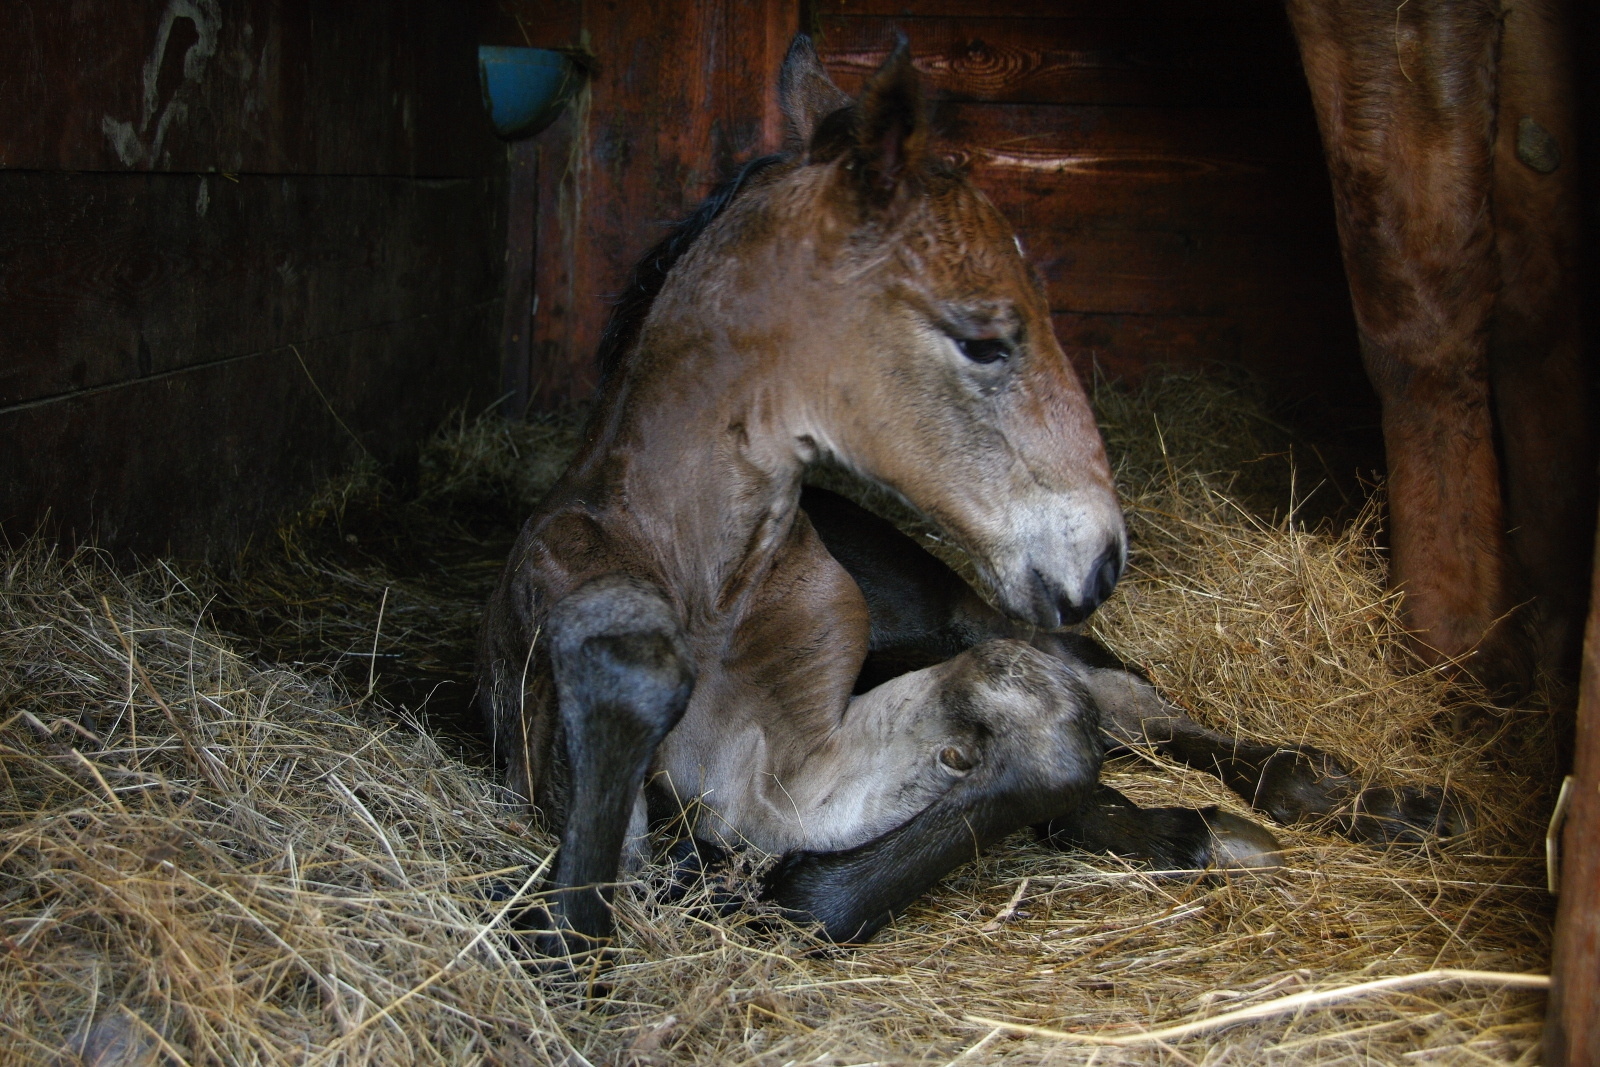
x,y
1152,10
114,277
195,462
1124,346
235,237
516,331
1572,1034
1166,272
1187,61
1240,170
272,86
681,95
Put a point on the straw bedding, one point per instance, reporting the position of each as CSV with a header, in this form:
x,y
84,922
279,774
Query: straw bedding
x,y
247,818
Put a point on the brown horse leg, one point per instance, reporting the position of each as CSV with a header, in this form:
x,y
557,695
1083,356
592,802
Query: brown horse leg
x,y
1538,373
623,678
1405,98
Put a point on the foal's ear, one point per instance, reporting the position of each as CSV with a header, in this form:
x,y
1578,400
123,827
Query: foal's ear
x,y
805,94
891,133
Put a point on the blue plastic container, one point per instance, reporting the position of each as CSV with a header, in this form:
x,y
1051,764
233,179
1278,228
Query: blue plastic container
x,y
524,89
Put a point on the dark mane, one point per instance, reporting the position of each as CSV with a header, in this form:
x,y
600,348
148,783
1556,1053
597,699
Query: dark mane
x,y
650,273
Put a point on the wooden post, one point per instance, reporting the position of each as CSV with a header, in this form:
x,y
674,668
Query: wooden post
x,y
522,207
1572,1033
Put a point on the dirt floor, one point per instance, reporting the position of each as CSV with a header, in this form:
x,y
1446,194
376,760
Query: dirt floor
x,y
248,816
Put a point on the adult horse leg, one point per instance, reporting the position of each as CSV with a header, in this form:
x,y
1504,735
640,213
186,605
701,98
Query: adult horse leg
x,y
1405,98
921,610
623,678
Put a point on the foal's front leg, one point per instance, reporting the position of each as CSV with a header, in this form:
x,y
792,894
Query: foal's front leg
x,y
922,612
623,678
1292,783
1001,737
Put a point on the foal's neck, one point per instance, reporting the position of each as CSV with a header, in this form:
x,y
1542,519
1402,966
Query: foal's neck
x,y
704,458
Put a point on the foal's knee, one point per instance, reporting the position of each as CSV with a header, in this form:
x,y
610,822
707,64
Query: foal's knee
x,y
620,660
623,679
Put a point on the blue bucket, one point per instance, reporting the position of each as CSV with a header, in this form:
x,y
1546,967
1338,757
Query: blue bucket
x,y
524,89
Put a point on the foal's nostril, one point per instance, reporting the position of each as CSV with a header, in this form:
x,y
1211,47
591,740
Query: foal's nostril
x,y
1103,579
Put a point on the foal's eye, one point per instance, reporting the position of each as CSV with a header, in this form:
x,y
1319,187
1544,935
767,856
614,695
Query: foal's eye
x,y
984,349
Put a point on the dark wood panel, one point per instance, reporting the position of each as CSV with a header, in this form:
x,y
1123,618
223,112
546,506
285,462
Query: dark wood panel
x,y
194,462
516,331
1572,1036
1126,347
1308,346
1133,9
682,94
1193,168
302,86
111,277
1572,1033
1190,61
1164,272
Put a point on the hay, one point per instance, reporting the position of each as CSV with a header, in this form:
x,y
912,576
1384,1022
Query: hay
x,y
246,824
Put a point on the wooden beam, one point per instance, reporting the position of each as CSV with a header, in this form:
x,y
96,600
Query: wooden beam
x,y
1572,1037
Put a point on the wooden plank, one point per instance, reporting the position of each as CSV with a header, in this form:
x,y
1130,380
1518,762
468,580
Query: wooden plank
x,y
682,94
1164,272
1189,61
1126,347
1239,170
1156,10
1572,1036
112,277
269,86
516,331
1572,1031
195,462
1308,349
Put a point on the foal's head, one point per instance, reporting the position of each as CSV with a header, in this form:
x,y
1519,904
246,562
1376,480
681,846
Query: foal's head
x,y
914,341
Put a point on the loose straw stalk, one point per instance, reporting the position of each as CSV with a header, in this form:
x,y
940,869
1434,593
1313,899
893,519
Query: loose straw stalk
x,y
1279,1006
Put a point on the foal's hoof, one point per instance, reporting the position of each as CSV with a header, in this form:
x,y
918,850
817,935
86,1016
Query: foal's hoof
x,y
1239,844
1411,814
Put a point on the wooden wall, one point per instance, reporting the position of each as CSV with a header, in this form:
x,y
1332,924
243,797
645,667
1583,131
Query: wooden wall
x,y
679,94
1160,162
241,241
1572,1038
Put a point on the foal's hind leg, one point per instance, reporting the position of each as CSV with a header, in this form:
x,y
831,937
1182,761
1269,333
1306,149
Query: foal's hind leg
x,y
623,678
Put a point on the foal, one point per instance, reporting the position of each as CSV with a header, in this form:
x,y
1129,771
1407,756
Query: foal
x,y
677,624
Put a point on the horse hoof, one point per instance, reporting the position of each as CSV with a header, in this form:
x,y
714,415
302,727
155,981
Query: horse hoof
x,y
1410,814
1240,845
